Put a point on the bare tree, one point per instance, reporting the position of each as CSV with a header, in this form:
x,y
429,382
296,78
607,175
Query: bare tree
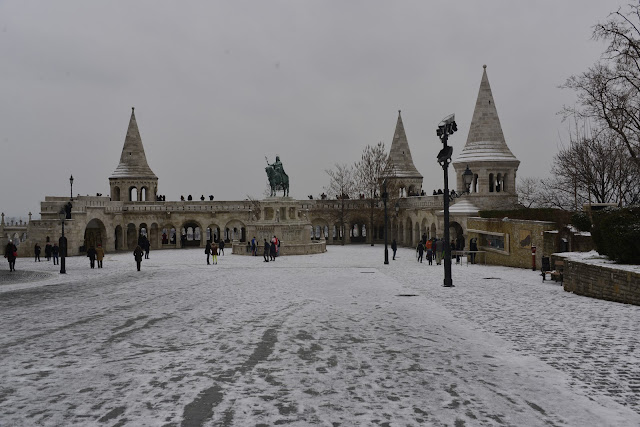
x,y
609,91
369,171
529,192
342,184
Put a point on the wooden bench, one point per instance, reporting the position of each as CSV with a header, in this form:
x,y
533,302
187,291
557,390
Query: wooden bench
x,y
556,274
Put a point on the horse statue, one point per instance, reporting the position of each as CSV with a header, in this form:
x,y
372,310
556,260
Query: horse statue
x,y
278,180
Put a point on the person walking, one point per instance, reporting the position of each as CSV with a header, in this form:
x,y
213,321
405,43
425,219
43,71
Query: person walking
x,y
147,247
47,251
207,250
420,251
277,243
394,248
99,255
137,254
272,251
55,251
429,248
11,253
253,246
221,246
439,249
214,253
37,251
267,248
91,253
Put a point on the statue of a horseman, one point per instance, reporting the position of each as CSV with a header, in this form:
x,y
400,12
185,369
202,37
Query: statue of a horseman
x,y
278,179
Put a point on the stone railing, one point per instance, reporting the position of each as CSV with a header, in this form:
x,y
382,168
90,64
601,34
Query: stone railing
x,y
608,282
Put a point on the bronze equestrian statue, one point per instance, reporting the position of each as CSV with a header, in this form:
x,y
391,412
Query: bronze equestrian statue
x,y
278,179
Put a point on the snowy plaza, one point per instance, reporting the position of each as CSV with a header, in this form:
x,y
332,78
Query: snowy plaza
x,y
329,339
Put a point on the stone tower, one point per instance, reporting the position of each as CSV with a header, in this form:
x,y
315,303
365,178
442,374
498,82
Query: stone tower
x,y
406,176
133,179
486,153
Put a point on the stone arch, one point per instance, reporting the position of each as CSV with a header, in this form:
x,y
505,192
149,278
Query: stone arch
x,y
190,234
116,194
118,238
95,233
320,227
355,230
168,234
132,236
408,232
456,232
144,194
133,193
236,230
499,183
154,236
213,232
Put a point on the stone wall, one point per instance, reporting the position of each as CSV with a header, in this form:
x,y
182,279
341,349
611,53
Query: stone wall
x,y
518,236
601,281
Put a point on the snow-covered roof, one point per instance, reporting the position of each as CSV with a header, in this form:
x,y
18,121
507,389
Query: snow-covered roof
x,y
400,154
133,161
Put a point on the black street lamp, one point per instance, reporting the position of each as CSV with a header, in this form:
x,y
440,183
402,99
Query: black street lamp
x,y
467,177
71,182
62,242
385,198
446,127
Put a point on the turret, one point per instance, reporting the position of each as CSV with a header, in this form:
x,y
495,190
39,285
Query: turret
x,y
405,175
133,179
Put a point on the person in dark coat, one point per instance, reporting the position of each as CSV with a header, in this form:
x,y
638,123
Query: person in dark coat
x,y
420,250
439,249
207,250
47,251
221,245
55,251
10,254
36,251
473,246
147,247
272,251
91,253
137,254
253,246
394,248
267,249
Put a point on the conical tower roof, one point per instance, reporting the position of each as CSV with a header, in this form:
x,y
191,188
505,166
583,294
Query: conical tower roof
x,y
486,140
133,162
400,154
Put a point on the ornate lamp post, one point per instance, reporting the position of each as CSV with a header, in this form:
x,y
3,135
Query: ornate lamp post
x,y
467,177
446,127
385,198
62,242
71,182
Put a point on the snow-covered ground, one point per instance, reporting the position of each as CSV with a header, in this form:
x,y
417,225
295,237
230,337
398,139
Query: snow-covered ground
x,y
329,339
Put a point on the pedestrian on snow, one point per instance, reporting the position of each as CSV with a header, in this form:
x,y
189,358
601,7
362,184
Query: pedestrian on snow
x,y
137,254
272,251
277,243
91,253
394,248
47,251
99,255
439,249
253,246
37,251
55,251
424,238
207,250
221,246
473,247
429,248
11,253
214,253
420,250
267,249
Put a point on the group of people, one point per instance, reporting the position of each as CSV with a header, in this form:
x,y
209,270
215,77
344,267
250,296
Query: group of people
x,y
271,249
95,254
212,249
435,249
50,251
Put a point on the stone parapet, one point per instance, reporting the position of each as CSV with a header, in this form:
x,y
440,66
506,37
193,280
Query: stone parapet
x,y
607,282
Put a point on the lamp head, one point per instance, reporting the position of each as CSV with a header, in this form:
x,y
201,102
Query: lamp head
x,y
71,179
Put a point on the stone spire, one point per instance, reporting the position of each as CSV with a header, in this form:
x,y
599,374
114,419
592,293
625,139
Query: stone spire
x,y
133,162
400,154
486,140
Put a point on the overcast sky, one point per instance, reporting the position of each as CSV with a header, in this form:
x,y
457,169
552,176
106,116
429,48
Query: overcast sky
x,y
218,86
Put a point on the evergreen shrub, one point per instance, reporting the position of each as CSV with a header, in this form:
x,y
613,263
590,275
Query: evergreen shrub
x,y
581,221
616,234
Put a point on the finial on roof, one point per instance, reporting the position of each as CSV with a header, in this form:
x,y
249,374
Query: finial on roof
x,y
133,108
484,66
399,111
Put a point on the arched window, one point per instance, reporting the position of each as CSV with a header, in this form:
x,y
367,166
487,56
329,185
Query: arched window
x,y
326,231
504,182
133,194
491,183
143,194
116,194
499,183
